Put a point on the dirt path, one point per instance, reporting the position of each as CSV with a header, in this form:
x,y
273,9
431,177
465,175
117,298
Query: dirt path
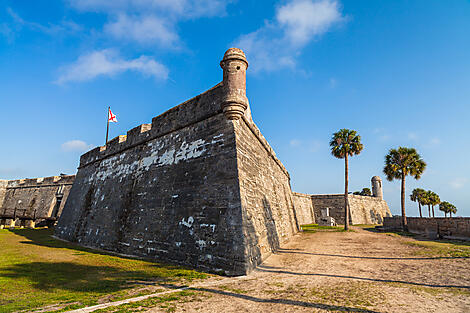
x,y
357,271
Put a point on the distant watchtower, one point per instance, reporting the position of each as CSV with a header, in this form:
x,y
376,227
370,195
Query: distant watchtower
x,y
234,65
377,187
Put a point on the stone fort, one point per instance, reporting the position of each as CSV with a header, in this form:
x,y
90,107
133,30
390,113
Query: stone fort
x,y
198,186
33,202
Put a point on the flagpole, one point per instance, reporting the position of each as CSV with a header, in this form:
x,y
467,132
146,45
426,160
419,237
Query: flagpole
x,y
107,126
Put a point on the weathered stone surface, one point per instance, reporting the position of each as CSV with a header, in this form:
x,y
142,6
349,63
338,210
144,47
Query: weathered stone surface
x,y
3,191
269,218
363,209
200,186
455,227
367,210
304,208
40,197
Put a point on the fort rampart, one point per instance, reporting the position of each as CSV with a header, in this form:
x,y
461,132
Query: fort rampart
x,y
198,186
30,202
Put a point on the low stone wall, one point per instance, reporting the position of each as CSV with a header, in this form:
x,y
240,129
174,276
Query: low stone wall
x,y
368,210
303,208
364,209
455,227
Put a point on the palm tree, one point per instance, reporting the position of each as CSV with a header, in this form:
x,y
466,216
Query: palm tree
x,y
444,207
447,207
453,209
345,143
400,163
433,200
426,200
416,196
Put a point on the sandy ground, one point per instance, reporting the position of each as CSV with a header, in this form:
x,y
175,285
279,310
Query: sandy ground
x,y
357,271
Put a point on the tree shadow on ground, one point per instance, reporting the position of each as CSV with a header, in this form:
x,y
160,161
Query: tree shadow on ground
x,y
43,237
368,257
304,304
279,270
49,276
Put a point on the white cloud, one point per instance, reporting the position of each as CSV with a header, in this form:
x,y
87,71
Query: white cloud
x,y
108,63
184,8
6,31
64,27
277,43
75,145
149,21
305,19
458,183
144,30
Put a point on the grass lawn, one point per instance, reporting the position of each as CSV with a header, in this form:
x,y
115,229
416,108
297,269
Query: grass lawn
x,y
443,248
38,271
312,228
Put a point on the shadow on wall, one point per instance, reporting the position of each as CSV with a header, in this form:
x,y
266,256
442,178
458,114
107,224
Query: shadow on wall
x,y
376,217
271,230
252,235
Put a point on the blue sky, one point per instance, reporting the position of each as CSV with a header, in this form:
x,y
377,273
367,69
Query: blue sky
x,y
398,72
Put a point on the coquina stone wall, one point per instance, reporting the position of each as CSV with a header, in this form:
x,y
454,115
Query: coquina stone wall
x,y
40,197
363,209
269,218
168,191
455,227
3,190
368,210
200,186
304,208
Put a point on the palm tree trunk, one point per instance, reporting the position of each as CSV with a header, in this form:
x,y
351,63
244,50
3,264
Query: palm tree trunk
x,y
403,213
429,210
346,198
420,214
450,214
433,211
445,214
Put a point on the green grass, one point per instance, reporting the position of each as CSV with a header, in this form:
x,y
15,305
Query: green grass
x,y
366,226
441,248
37,270
312,228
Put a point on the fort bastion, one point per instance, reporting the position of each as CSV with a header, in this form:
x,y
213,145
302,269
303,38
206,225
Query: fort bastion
x,y
199,186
